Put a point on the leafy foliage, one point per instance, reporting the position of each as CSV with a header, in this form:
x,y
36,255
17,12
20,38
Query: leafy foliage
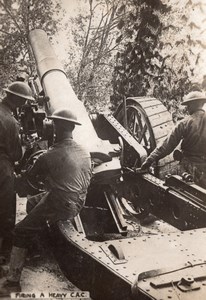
x,y
91,57
157,58
17,19
120,47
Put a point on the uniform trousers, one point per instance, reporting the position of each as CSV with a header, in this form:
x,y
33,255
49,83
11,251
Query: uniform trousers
x,y
46,207
7,199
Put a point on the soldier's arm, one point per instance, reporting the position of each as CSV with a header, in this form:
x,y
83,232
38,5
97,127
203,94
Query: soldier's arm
x,y
39,170
13,143
168,145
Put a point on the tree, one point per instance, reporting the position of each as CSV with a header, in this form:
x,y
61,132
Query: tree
x,y
157,58
17,19
92,55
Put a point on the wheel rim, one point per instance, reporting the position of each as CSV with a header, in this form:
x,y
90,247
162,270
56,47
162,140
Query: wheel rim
x,y
140,128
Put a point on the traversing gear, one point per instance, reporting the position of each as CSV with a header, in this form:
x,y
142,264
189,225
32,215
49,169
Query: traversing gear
x,y
64,115
19,89
194,96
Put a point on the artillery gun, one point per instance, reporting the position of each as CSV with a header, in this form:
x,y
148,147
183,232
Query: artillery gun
x,y
99,251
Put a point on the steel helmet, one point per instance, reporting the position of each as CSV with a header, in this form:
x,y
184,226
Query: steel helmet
x,y
64,115
194,96
20,89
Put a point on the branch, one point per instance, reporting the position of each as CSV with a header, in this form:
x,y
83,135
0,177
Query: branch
x,y
8,33
163,63
12,17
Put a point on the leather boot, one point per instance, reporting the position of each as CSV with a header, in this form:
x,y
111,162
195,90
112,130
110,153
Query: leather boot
x,y
12,283
7,287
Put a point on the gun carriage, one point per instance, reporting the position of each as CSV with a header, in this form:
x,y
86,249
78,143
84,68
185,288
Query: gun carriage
x,y
104,249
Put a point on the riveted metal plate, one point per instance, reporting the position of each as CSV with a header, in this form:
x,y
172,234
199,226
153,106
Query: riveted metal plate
x,y
144,253
116,260
127,136
185,284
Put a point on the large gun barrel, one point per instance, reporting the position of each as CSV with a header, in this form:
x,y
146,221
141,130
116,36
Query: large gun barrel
x,y
58,88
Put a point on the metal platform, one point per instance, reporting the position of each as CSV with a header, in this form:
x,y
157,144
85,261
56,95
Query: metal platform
x,y
153,266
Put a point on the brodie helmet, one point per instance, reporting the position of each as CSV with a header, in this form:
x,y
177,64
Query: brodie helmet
x,y
194,96
19,89
64,115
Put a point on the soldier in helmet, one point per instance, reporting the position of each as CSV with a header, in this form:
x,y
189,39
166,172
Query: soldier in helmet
x,y
66,171
10,151
191,132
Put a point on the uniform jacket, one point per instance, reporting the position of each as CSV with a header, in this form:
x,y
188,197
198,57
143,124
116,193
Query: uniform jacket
x,y
10,144
192,132
65,168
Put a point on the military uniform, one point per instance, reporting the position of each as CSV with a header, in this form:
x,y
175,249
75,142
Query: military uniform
x,y
192,132
66,171
10,151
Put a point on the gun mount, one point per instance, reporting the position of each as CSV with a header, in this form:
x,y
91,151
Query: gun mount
x,y
101,253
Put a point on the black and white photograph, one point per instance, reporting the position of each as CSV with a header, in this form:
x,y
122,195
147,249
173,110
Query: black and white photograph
x,y
103,149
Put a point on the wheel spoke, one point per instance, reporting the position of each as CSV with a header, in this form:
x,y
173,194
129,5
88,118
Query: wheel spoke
x,y
138,127
143,135
148,123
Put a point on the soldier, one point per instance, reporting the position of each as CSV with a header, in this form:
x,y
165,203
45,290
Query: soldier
x,y
66,172
10,151
192,132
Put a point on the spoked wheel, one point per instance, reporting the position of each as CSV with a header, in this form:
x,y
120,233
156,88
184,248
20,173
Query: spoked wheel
x,y
149,122
139,127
